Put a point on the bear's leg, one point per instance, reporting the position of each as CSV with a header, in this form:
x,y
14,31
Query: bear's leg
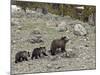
x,y
25,58
63,49
16,61
32,57
45,54
39,55
53,52
36,57
20,59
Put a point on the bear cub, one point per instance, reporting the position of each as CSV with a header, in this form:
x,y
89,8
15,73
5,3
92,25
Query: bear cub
x,y
38,52
22,56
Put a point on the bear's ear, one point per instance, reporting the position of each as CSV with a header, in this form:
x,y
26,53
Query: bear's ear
x,y
29,54
40,47
44,47
62,38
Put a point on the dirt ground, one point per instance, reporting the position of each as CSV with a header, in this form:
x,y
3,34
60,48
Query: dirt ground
x,y
83,46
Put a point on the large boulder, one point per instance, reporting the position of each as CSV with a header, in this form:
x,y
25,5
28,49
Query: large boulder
x,y
79,30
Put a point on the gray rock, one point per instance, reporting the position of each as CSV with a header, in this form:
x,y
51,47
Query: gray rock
x,y
70,53
35,37
39,10
35,40
20,27
15,21
36,31
49,65
54,58
58,67
79,30
13,41
51,23
62,27
18,31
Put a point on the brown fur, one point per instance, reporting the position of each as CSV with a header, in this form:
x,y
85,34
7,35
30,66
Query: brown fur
x,y
58,43
37,52
22,56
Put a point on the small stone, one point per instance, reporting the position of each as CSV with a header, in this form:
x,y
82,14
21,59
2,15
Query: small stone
x,y
49,66
86,46
58,67
20,27
54,58
13,42
70,53
17,31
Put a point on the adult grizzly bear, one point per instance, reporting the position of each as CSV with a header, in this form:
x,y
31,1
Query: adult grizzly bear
x,y
22,56
37,52
58,43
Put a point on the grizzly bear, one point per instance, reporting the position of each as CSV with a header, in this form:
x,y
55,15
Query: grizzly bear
x,y
58,44
22,56
37,52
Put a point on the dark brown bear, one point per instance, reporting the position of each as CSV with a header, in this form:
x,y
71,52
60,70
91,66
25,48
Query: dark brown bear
x,y
22,56
58,44
37,52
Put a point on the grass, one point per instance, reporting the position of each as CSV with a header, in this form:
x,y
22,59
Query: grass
x,y
50,33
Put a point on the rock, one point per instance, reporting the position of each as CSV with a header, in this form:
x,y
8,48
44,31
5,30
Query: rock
x,y
35,40
18,31
51,23
38,36
13,41
36,31
58,67
63,23
15,21
49,65
54,58
79,30
62,27
39,10
86,45
35,37
69,53
20,27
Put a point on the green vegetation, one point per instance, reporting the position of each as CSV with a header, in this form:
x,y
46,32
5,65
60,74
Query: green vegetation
x,y
59,9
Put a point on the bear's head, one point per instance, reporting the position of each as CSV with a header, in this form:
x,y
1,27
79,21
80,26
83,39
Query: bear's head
x,y
43,49
65,39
